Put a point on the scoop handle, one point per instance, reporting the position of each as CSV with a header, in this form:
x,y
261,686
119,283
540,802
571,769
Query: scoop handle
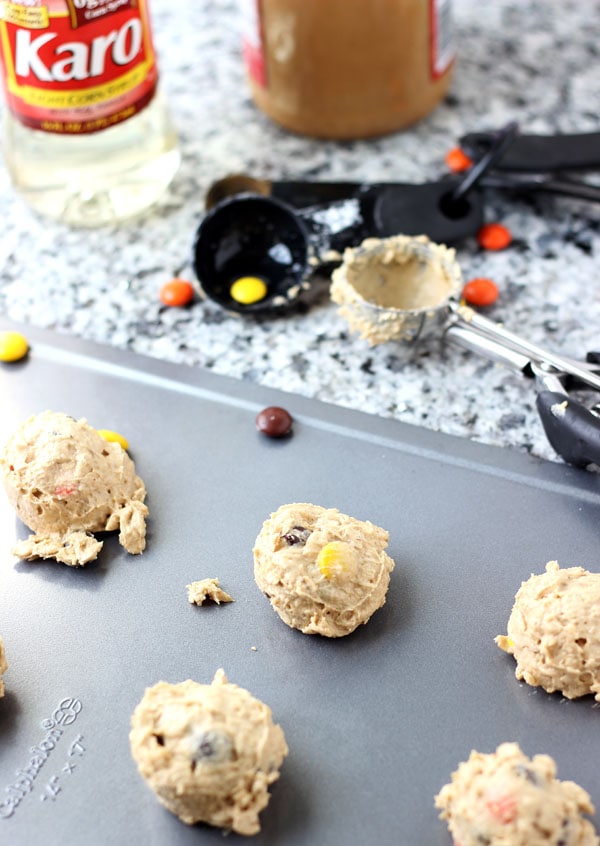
x,y
539,153
572,429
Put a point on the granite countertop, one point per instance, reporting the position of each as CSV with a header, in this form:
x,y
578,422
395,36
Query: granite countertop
x,y
526,60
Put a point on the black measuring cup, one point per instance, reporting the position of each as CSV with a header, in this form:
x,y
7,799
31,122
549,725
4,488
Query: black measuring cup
x,y
250,235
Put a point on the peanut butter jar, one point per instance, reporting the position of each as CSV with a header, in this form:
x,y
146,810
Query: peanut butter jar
x,y
347,69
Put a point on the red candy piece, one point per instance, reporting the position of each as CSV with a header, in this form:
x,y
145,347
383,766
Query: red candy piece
x,y
177,292
502,808
480,292
494,236
457,160
274,422
65,490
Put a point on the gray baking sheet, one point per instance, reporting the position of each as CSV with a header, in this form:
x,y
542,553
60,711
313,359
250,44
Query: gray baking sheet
x,y
376,721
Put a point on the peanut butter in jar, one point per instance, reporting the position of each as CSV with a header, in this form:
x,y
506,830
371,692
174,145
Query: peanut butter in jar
x,y
347,69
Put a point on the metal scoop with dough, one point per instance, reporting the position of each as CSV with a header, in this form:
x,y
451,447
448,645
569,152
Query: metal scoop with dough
x,y
404,288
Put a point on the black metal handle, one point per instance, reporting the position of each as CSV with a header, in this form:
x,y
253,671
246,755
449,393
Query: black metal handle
x,y
539,153
571,428
528,183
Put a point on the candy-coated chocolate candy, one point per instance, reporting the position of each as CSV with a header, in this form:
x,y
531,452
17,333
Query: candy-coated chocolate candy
x,y
248,289
494,236
457,160
13,346
274,422
480,292
332,559
177,292
113,437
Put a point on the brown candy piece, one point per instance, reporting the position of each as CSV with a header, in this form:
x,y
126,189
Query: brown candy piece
x,y
274,422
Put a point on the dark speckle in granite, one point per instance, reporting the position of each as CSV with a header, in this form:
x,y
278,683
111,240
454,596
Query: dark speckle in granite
x,y
367,366
299,364
511,421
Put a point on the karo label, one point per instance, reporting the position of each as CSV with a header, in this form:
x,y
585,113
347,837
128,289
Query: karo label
x,y
76,66
87,11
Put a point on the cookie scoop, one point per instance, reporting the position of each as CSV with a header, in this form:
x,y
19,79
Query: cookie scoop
x,y
66,482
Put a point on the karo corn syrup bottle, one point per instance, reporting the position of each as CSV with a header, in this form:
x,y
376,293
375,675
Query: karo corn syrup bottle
x,y
87,137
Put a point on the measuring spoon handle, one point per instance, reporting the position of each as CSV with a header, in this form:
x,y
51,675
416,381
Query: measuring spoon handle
x,y
539,153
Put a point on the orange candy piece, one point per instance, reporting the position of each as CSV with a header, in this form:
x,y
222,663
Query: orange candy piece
x,y
480,292
457,160
494,236
177,292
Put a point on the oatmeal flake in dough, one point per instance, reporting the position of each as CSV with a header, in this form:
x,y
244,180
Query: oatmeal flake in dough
x,y
208,751
66,482
554,631
323,571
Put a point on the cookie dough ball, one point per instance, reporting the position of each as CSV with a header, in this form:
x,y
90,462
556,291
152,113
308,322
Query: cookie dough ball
x,y
554,631
66,482
3,666
324,572
209,752
506,799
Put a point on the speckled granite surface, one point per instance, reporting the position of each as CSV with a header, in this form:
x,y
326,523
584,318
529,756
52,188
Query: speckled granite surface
x,y
533,61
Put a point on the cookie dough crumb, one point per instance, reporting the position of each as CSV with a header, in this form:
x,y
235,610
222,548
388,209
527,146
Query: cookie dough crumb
x,y
3,666
66,483
208,751
506,799
207,589
324,572
554,631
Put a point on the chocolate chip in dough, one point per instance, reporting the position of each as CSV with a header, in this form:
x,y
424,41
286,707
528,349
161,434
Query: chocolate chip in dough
x,y
297,535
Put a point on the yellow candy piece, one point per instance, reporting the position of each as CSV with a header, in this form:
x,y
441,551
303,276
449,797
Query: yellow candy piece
x,y
13,346
248,289
113,437
333,559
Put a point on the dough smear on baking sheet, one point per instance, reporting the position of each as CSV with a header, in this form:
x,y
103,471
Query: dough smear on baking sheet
x,y
323,571
207,590
554,631
3,666
66,482
208,751
506,799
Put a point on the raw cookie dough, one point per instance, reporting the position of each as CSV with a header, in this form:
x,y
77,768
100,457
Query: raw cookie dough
x,y
554,631
3,666
324,572
506,799
199,592
389,288
66,482
208,751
